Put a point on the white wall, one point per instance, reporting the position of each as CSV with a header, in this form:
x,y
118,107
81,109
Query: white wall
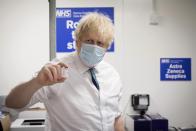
x,y
145,44
24,40
24,47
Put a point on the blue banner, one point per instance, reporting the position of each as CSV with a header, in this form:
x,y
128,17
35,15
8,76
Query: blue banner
x,y
66,22
175,69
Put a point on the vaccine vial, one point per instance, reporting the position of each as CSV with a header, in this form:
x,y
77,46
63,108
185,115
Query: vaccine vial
x,y
65,72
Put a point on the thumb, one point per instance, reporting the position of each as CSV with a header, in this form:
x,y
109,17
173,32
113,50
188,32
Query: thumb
x,y
62,65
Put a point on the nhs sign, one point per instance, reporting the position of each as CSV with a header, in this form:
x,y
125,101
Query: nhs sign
x,y
66,22
63,13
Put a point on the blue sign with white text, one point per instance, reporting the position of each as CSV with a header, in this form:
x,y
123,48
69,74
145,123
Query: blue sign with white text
x,y
175,69
66,22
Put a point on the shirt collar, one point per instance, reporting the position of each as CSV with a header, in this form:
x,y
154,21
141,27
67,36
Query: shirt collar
x,y
81,67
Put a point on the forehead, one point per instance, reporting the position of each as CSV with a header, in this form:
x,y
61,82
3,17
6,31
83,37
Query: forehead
x,y
93,35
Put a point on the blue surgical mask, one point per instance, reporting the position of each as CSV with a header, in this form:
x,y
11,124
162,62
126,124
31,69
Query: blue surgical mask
x,y
91,55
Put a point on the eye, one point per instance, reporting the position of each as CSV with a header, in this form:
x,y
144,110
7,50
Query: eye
x,y
89,41
99,43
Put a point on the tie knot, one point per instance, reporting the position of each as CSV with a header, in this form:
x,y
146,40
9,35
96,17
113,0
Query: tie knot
x,y
92,69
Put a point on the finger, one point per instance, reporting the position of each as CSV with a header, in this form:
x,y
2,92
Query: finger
x,y
63,65
62,80
54,72
59,72
48,74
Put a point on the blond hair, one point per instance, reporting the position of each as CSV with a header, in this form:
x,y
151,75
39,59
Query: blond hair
x,y
95,22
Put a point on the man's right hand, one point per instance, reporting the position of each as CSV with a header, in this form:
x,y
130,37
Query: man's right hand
x,y
20,96
51,74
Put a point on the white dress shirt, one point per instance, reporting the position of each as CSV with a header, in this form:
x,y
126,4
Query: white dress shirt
x,y
76,104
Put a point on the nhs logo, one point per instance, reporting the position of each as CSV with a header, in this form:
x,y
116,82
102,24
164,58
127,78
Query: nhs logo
x,y
63,13
164,60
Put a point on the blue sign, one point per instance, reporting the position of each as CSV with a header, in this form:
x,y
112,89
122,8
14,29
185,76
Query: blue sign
x,y
66,22
175,69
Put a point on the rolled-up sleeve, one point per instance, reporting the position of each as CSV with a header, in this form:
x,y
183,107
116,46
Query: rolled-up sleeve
x,y
119,110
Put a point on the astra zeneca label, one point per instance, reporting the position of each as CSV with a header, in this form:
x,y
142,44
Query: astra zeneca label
x,y
175,69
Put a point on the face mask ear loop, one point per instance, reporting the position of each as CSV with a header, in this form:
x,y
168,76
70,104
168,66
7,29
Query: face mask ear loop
x,y
78,42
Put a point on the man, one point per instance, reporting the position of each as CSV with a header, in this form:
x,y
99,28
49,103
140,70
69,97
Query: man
x,y
88,98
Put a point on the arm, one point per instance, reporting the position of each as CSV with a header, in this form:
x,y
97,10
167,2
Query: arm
x,y
118,125
20,96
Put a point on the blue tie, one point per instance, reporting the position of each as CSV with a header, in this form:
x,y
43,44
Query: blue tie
x,y
95,82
